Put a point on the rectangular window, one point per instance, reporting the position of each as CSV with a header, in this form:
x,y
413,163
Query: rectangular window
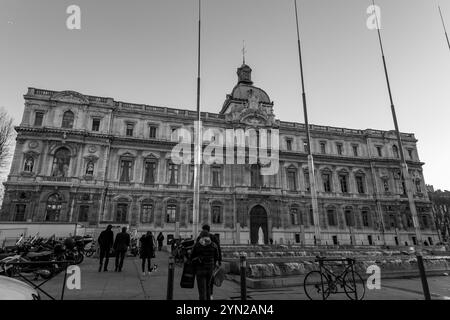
x,y
360,184
365,218
292,180
340,149
125,170
216,173
323,147
307,182
305,146
121,214
150,172
349,218
95,124
173,173
289,144
331,218
410,153
326,177
343,181
152,133
355,150
20,212
83,215
130,128
38,119
379,151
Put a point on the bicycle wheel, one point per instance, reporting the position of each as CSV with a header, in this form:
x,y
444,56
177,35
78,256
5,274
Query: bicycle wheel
x,y
356,289
316,286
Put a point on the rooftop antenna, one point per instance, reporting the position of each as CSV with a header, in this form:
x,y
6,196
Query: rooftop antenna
x,y
243,51
406,179
443,24
312,180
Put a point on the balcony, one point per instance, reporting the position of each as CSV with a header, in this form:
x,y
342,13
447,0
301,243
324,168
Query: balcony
x,y
57,179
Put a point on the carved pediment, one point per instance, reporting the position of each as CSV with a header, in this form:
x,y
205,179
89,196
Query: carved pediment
x,y
71,97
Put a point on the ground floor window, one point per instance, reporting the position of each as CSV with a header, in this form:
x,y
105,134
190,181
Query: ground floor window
x,y
53,210
20,212
83,215
121,214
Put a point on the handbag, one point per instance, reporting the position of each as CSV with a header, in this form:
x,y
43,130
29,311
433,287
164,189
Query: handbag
x,y
188,275
218,276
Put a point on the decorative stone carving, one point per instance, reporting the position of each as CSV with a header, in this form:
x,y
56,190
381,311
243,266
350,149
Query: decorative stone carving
x,y
33,144
71,97
92,149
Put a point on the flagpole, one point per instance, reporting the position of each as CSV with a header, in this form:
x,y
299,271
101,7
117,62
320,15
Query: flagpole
x,y
404,166
312,180
445,29
198,141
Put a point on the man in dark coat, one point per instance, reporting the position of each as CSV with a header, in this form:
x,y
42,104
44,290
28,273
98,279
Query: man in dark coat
x,y
147,251
205,256
105,242
121,245
160,240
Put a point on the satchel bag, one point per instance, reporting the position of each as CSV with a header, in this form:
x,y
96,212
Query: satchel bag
x,y
218,276
188,276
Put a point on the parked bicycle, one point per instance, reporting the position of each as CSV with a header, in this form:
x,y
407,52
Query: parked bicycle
x,y
320,284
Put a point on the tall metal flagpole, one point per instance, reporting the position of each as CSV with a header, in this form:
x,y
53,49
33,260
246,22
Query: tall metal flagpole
x,y
445,29
404,166
198,142
312,180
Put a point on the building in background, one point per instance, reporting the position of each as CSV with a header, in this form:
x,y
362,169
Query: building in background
x,y
96,161
441,211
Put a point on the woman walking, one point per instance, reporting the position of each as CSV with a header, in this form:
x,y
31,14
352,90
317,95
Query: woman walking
x,y
205,256
147,250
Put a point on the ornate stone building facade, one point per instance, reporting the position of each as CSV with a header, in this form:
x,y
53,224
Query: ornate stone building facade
x,y
96,161
441,211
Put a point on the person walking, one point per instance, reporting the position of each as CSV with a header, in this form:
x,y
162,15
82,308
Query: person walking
x,y
105,242
121,245
160,240
205,256
147,250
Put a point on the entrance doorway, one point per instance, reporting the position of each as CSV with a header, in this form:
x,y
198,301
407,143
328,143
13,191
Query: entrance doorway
x,y
258,219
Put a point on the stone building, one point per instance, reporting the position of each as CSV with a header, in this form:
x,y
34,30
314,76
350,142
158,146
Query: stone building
x,y
441,211
96,161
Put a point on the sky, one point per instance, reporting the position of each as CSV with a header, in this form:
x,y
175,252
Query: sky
x,y
145,51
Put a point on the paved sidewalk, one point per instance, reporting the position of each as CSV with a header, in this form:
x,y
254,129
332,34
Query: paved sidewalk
x,y
130,284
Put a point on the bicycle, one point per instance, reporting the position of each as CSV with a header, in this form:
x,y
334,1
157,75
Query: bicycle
x,y
319,284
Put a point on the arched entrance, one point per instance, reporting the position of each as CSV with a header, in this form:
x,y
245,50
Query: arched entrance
x,y
258,218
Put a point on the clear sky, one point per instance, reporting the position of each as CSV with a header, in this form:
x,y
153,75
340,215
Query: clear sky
x,y
145,52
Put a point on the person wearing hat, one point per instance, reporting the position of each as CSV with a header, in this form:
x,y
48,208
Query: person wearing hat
x,y
105,242
205,256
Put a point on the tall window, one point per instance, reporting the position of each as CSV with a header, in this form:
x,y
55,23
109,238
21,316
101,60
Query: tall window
x,y
379,151
323,145
129,131
90,168
349,221
410,153
171,211
340,149
191,174
121,214
305,146
292,179
83,215
326,178
53,209
418,187
38,118
152,133
68,118
150,172
95,124
289,144
173,173
355,150
255,176
146,211
365,218
125,170
29,164
216,176
331,215
20,212
395,151
311,216
424,219
343,180
307,182
61,162
216,213
386,185
294,213
360,183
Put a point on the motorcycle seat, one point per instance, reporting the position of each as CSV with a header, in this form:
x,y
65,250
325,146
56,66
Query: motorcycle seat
x,y
38,254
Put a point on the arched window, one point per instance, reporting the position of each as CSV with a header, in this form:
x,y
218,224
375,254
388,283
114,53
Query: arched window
x,y
331,215
343,181
61,162
395,151
122,211
349,219
171,211
67,121
90,168
216,213
146,211
29,164
53,210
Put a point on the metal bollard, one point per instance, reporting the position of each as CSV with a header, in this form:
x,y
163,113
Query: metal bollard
x,y
170,279
243,270
423,276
